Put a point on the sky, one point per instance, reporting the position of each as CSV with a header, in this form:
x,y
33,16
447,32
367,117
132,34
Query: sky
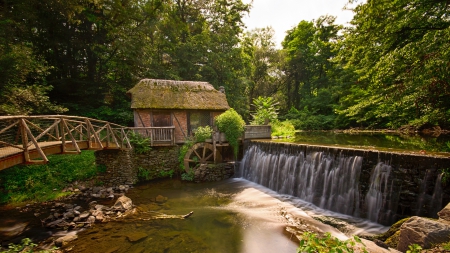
x,y
283,15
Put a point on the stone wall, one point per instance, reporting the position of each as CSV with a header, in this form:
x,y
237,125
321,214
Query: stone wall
x,y
160,162
127,167
213,172
119,167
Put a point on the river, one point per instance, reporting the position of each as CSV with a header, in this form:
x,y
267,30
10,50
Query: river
x,y
234,215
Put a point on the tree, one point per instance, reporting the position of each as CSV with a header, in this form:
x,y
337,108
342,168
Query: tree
x,y
400,54
264,60
310,72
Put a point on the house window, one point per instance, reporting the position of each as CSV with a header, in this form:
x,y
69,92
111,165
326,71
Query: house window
x,y
161,119
197,119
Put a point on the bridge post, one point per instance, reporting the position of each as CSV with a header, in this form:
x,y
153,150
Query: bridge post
x,y
23,132
63,136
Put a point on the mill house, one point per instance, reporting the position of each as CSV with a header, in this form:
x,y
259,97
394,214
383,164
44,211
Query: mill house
x,y
169,111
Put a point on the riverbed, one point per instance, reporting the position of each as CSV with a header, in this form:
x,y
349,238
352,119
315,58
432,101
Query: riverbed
x,y
234,215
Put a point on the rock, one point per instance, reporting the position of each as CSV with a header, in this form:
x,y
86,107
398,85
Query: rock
x,y
91,219
56,223
69,215
123,203
101,208
160,199
422,231
136,236
84,215
96,189
444,214
62,241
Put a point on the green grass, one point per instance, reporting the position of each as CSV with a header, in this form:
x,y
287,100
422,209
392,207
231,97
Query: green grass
x,y
45,182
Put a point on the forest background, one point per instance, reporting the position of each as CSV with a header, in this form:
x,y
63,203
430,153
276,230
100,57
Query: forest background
x,y
389,69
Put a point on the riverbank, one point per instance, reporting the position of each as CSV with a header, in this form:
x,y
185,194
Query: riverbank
x,y
25,184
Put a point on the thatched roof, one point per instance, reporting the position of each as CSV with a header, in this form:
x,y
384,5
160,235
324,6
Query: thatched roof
x,y
167,94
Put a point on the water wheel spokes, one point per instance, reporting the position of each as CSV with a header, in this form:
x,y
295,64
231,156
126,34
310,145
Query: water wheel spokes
x,y
201,153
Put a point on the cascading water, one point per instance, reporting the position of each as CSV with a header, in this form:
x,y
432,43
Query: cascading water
x,y
328,181
359,183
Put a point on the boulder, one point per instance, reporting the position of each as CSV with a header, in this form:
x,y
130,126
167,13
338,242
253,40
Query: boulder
x,y
123,203
62,241
422,231
444,214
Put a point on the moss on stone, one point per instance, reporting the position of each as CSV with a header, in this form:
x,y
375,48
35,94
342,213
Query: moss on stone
x,y
392,234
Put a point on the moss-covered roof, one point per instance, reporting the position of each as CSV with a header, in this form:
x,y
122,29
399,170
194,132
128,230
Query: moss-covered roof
x,y
168,94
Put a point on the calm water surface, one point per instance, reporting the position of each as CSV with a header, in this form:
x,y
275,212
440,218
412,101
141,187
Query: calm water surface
x,y
377,140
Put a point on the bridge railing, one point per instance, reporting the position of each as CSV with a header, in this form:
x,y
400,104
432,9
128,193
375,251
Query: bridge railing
x,y
158,135
25,134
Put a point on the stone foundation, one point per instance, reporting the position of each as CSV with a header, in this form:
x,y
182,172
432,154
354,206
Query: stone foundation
x,y
119,167
127,167
213,172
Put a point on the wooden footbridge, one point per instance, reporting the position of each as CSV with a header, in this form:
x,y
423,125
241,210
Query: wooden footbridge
x,y
29,139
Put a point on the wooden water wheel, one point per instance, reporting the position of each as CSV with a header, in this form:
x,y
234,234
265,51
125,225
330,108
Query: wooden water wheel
x,y
201,153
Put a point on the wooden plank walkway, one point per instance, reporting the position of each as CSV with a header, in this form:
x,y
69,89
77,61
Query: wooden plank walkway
x,y
29,139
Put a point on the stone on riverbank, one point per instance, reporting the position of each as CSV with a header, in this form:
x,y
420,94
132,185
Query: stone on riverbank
x,y
422,231
62,241
123,203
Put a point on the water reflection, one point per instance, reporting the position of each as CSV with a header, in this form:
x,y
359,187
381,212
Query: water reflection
x,y
372,140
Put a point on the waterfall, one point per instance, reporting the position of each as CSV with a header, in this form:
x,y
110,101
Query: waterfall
x,y
381,186
379,190
329,181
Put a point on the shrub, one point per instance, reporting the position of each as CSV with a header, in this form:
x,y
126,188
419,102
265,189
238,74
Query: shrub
x,y
140,143
311,243
265,109
203,133
188,143
232,124
283,128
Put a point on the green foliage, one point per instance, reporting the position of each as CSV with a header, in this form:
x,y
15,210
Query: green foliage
x,y
166,173
188,176
143,174
26,246
28,100
398,54
311,243
446,246
283,128
203,133
141,144
415,248
265,110
188,143
232,124
309,120
445,176
46,182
